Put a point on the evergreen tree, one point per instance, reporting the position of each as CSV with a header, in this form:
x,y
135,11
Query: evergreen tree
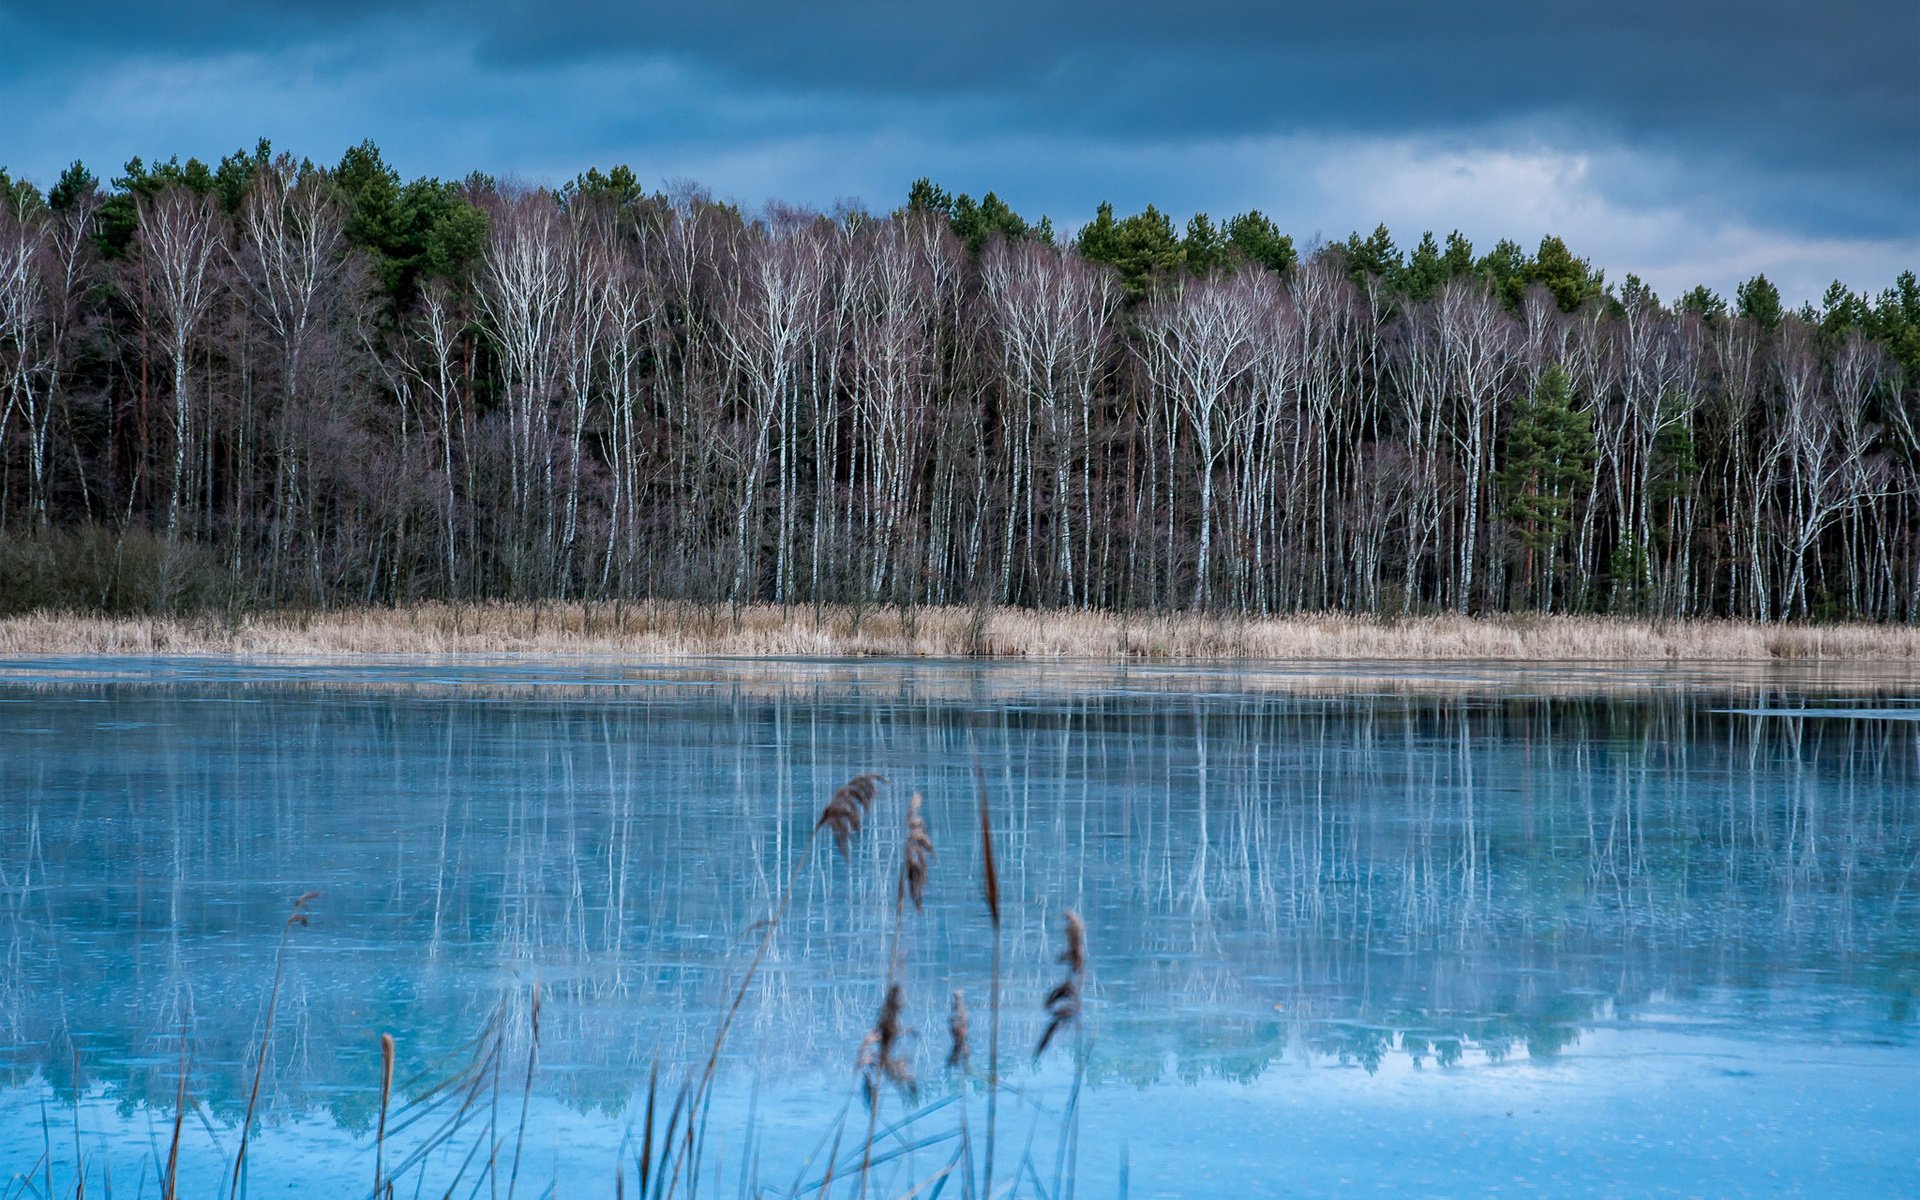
x,y
1375,255
1205,246
120,212
1841,311
1635,293
1705,302
1759,301
1258,240
1549,464
74,183
372,191
1895,324
617,186
411,229
236,171
1505,268
1143,248
456,236
1573,281
18,195
1425,271
976,222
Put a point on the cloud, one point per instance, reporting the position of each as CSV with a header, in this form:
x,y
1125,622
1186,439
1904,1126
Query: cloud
x,y
1680,142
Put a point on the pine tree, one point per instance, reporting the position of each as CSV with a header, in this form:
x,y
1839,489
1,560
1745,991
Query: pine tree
x,y
1573,281
1258,240
1143,247
1549,463
1759,301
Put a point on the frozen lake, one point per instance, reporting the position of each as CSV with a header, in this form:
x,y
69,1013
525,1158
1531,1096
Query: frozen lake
x,y
1390,929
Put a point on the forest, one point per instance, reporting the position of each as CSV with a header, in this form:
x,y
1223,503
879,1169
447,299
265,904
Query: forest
x,y
266,384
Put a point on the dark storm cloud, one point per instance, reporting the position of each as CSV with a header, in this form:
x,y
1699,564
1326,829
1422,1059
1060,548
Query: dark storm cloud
x,y
1803,116
1826,80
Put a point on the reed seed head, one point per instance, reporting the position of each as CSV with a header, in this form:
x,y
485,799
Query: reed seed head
x,y
1075,953
959,1050
299,915
880,1060
849,805
1063,1002
989,875
914,856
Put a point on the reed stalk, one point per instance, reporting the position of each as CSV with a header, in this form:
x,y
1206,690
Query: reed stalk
x,y
386,1095
842,816
526,1091
297,917
990,886
878,1059
79,1156
170,1188
1063,1006
646,1135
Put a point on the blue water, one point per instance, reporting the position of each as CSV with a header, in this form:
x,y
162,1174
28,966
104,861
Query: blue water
x,y
1376,930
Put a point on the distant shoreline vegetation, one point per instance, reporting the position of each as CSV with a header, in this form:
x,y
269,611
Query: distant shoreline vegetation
x,y
265,384
659,630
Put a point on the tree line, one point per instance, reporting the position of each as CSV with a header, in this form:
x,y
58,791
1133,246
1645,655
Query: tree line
x,y
265,382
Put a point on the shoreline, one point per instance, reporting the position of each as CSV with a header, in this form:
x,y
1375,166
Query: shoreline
x,y
663,630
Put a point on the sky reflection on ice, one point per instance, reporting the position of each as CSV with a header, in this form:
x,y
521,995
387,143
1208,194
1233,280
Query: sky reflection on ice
x,y
1340,931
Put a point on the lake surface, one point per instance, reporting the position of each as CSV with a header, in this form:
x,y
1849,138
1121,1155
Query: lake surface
x,y
1399,929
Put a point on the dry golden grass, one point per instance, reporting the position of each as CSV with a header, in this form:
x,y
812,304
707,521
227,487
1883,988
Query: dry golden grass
x,y
665,630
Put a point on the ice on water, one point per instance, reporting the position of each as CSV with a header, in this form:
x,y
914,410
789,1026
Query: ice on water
x,y
1436,929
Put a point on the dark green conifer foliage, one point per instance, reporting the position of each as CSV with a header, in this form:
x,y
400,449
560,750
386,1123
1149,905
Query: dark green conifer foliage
x,y
1205,247
1759,301
1842,311
618,186
456,237
1549,465
18,195
1258,240
74,183
236,171
1635,294
1895,324
975,223
1458,258
120,213
1429,266
1573,281
1374,255
1705,302
372,192
412,229
1506,269
1424,271
1143,248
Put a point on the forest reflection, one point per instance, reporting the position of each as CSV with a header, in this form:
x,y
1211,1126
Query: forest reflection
x,y
1429,879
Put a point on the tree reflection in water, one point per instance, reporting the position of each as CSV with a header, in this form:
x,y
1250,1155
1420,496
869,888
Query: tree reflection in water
x,y
1350,874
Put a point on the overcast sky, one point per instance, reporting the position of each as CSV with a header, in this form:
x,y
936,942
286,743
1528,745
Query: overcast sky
x,y
1686,140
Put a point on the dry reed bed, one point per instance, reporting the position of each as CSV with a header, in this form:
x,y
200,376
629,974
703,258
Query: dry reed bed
x,y
662,630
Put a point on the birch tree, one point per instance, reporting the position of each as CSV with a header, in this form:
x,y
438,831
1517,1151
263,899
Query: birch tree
x,y
1199,345
179,240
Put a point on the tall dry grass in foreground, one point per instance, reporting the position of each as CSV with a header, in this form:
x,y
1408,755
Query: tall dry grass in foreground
x,y
665,630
